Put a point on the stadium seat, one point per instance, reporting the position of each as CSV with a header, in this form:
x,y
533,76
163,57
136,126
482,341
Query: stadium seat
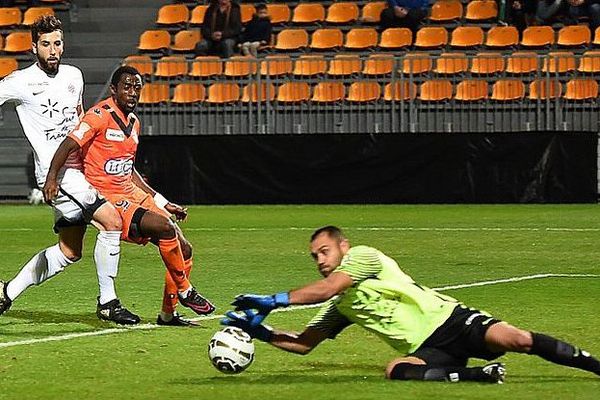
x,y
154,40
542,89
400,91
451,63
344,64
446,11
574,36
171,67
522,62
361,39
597,36
467,36
342,13
240,66
378,64
364,92
327,39
310,65
590,62
471,90
33,13
559,62
154,93
10,16
308,13
206,66
508,90
538,36
435,90
247,11
18,42
255,93
7,65
502,37
1,42
395,38
187,92
416,63
581,89
371,12
279,13
481,10
142,63
293,92
197,17
276,65
291,39
221,93
431,36
186,40
328,92
487,63
173,14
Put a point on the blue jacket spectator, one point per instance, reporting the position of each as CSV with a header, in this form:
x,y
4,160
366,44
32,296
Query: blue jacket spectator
x,y
404,14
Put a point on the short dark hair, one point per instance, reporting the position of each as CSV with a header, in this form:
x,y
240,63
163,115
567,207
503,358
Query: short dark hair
x,y
332,232
45,24
125,69
260,6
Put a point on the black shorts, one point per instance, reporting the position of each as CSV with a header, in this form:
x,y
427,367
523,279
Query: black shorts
x,y
461,337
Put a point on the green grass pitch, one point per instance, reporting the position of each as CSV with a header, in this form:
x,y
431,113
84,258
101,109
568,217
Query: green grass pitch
x,y
263,249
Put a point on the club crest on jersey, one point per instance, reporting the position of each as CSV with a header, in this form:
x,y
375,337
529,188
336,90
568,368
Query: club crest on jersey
x,y
71,88
115,135
118,167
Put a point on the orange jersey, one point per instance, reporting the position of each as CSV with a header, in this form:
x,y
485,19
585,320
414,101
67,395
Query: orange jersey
x,y
108,142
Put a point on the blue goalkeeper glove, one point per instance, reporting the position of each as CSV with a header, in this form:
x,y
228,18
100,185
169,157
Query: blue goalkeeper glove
x,y
263,304
245,322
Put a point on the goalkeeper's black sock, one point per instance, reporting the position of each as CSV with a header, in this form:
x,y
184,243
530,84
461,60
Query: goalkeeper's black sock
x,y
562,353
407,371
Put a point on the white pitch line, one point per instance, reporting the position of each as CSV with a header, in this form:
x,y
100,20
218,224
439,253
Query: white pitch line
x,y
293,308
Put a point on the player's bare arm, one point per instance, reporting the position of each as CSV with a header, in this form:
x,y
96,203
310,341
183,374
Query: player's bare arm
x,y
296,343
322,290
50,188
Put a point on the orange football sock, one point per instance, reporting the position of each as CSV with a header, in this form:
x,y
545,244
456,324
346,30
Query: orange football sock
x,y
170,251
170,299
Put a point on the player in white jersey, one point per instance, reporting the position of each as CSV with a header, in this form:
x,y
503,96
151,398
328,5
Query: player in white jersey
x,y
48,98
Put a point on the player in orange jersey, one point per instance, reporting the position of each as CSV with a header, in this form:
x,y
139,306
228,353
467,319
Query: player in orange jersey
x,y
108,138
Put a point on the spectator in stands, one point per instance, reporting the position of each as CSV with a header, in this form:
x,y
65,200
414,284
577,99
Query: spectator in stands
x,y
547,10
404,14
257,32
520,12
584,8
220,29
11,3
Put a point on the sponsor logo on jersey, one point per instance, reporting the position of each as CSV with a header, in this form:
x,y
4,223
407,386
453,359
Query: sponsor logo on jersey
x,y
71,88
115,135
118,167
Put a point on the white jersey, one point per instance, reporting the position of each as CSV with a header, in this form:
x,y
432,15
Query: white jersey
x,y
47,109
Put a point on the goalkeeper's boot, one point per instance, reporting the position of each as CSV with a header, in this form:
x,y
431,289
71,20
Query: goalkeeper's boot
x,y
496,371
115,312
176,320
5,301
196,302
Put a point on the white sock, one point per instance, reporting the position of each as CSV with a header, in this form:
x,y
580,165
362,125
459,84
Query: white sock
x,y
106,256
43,266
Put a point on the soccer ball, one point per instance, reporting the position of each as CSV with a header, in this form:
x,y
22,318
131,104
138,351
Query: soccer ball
x,y
231,350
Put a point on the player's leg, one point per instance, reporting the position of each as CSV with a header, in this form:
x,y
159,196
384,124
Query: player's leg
x,y
505,337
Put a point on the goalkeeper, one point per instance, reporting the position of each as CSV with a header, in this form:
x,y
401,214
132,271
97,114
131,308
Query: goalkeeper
x,y
436,333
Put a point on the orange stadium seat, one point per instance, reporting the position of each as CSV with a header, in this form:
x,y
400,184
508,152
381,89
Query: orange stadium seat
x,y
171,66
344,64
18,42
471,90
154,40
10,16
522,62
487,63
327,39
1,42
221,93
502,36
400,91
363,92
467,36
239,66
247,11
154,93
481,10
291,39
33,13
379,64
538,36
451,63
597,36
342,13
276,65
206,66
293,92
371,12
279,13
308,13
508,90
197,17
590,62
255,93
187,92
435,90
395,38
559,62
328,92
581,89
446,11
542,89
361,38
416,63
142,63
574,36
431,36
310,65
186,40
7,65
173,14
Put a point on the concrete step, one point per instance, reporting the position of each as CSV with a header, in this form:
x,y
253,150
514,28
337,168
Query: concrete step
x,y
95,70
114,19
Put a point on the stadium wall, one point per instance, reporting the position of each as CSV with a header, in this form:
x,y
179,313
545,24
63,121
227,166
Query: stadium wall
x,y
385,168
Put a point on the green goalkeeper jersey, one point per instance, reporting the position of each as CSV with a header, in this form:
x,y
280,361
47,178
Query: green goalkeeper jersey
x,y
384,300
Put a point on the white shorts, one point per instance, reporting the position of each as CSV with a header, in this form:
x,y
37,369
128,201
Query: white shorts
x,y
77,200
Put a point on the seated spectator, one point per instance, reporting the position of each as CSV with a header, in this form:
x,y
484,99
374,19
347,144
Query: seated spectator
x,y
257,32
404,14
519,13
220,29
584,8
547,10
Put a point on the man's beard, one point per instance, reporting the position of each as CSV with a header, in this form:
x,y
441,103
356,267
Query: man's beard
x,y
49,69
